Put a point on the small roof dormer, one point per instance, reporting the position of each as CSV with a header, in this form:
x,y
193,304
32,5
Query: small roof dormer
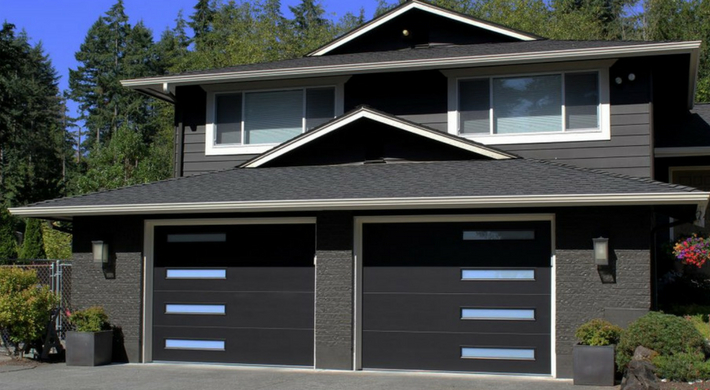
x,y
419,24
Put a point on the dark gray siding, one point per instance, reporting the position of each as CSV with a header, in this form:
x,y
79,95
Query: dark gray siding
x,y
628,152
191,119
121,293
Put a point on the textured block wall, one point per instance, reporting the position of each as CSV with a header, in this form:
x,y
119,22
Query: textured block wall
x,y
334,291
585,291
121,293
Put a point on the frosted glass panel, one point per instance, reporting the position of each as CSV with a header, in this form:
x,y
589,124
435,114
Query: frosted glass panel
x,y
498,353
228,123
194,309
272,117
488,235
196,274
582,100
497,314
474,106
201,237
527,104
493,274
205,345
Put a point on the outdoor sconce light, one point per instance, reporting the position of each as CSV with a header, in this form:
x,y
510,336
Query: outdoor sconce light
x,y
601,251
100,251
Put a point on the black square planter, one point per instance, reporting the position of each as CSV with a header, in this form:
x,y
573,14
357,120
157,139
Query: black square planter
x,y
594,366
89,348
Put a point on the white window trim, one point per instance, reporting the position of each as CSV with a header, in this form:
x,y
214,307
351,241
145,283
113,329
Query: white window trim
x,y
213,149
601,134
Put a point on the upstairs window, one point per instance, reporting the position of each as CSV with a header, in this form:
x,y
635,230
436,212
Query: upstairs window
x,y
553,107
270,117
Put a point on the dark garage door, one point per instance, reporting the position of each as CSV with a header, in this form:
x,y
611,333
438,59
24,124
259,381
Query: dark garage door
x,y
235,294
457,296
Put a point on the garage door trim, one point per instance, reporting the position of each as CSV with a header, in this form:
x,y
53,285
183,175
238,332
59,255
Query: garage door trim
x,y
148,259
358,257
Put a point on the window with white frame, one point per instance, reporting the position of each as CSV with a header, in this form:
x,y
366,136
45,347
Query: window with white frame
x,y
269,117
546,107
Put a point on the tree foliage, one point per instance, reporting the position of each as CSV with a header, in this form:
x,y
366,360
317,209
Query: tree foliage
x,y
32,243
8,243
33,140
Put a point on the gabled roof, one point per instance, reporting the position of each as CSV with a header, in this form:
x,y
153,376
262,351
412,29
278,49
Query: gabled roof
x,y
365,113
426,7
431,185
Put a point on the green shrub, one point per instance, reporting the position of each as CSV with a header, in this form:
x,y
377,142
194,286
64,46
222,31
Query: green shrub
x,y
683,366
32,244
663,333
598,332
93,319
24,305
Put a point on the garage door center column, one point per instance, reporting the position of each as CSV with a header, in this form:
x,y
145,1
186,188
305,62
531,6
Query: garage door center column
x,y
334,291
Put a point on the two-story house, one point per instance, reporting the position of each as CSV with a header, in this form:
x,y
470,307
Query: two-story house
x,y
429,191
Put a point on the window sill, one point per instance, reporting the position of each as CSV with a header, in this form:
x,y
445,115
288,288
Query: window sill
x,y
223,150
539,138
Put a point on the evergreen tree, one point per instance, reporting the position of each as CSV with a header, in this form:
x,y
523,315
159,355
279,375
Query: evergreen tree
x,y
201,19
8,243
115,50
32,244
32,134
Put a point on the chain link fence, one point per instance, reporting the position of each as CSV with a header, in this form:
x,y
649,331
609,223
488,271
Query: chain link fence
x,y
55,274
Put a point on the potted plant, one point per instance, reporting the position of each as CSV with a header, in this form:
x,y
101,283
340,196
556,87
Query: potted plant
x,y
91,342
593,357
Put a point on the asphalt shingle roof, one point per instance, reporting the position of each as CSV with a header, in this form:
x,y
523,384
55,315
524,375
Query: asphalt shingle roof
x,y
391,180
434,52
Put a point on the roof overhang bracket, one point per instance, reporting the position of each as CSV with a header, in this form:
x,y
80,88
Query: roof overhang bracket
x,y
700,214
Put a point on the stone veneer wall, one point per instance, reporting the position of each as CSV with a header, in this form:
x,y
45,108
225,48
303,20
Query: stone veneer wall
x,y
121,293
617,293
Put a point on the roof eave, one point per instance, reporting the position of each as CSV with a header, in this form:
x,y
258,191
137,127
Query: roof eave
x,y
163,84
699,199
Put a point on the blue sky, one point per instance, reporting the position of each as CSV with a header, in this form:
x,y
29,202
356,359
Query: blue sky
x,y
61,25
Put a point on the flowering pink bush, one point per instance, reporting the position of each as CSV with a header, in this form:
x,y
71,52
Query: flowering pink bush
x,y
693,250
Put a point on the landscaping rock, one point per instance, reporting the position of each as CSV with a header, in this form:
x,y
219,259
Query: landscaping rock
x,y
644,354
640,375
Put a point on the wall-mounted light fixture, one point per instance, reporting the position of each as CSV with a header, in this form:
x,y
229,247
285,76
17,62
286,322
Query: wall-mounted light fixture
x,y
100,251
632,77
601,251
405,33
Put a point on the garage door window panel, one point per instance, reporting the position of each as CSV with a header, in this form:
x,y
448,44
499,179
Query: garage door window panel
x,y
498,314
497,353
175,308
201,345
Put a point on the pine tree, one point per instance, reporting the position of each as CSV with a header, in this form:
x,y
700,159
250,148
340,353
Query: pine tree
x,y
32,134
32,244
8,243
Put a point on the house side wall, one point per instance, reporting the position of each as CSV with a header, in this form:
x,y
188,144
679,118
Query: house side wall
x,y
421,97
619,293
118,287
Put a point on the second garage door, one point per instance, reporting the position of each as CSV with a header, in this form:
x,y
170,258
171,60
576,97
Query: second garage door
x,y
457,296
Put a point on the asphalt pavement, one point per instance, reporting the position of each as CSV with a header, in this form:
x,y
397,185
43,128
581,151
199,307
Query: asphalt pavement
x,y
156,376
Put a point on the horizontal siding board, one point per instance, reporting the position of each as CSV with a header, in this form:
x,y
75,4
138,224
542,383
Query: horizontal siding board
x,y
426,118
613,162
629,119
630,109
618,141
626,151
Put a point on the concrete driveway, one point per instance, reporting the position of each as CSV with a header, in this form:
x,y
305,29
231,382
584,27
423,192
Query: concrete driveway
x,y
204,377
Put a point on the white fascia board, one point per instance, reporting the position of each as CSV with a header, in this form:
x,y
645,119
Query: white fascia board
x,y
419,64
365,113
699,199
690,151
423,7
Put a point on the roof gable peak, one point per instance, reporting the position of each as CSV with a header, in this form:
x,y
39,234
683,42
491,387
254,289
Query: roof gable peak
x,y
367,113
431,9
